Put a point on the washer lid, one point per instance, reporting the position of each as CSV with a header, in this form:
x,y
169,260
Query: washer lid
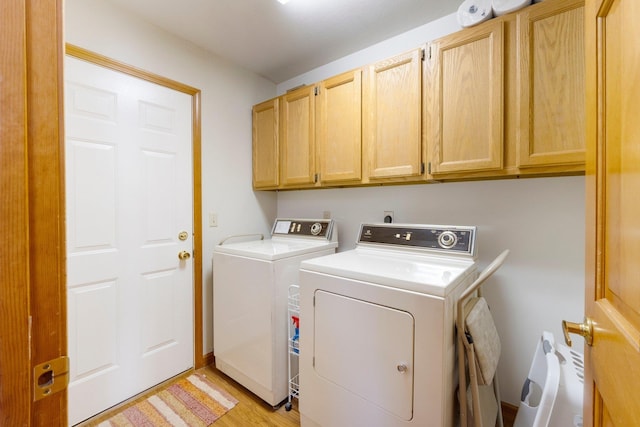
x,y
274,249
432,275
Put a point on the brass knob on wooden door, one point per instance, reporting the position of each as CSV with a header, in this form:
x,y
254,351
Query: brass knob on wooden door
x,y
584,329
183,255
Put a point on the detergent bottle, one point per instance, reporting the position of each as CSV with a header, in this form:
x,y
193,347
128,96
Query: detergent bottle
x,y
296,334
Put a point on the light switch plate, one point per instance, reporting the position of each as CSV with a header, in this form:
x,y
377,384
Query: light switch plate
x,y
213,219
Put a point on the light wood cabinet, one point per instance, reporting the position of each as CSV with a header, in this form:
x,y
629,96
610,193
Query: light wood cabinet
x,y
339,128
503,98
321,133
466,102
265,145
297,138
507,97
552,84
392,119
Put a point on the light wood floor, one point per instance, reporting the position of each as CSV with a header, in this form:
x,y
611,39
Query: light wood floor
x,y
250,410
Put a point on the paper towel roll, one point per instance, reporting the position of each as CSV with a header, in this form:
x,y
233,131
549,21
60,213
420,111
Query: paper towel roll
x,y
502,7
473,12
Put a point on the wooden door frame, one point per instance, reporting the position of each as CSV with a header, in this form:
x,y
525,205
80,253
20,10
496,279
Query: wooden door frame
x,y
97,59
14,222
593,200
32,298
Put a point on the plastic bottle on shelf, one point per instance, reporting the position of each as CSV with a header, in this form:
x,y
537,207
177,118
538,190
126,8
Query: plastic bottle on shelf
x,y
296,334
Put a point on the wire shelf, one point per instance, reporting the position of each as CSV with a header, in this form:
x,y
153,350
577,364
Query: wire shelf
x,y
293,327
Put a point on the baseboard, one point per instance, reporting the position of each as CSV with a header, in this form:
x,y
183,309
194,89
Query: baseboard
x,y
208,359
509,412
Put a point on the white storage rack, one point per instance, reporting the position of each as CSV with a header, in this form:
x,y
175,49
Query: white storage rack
x,y
293,308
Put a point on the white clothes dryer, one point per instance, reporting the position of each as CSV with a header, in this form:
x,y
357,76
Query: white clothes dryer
x,y
377,341
250,284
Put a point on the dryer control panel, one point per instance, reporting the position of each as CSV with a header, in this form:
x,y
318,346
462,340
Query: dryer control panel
x,y
321,228
450,239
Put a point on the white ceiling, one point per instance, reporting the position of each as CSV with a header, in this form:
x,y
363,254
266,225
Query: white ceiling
x,y
282,41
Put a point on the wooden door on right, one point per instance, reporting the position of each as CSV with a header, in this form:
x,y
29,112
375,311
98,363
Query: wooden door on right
x,y
612,40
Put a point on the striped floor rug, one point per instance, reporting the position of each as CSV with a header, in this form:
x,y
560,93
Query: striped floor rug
x,y
190,402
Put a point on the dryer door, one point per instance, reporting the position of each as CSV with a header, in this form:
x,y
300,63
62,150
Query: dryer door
x,y
367,349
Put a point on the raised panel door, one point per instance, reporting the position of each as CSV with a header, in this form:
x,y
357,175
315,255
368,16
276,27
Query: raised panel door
x,y
392,119
265,145
128,195
612,394
297,138
465,126
339,128
551,84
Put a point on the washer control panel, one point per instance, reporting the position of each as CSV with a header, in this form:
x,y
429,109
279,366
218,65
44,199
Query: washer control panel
x,y
441,238
303,227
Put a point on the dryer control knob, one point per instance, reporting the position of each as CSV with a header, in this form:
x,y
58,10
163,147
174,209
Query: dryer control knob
x,y
316,228
447,239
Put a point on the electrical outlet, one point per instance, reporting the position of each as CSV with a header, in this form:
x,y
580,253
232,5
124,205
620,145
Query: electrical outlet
x,y
213,219
388,216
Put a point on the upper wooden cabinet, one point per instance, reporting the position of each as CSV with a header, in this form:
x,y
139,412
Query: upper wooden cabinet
x,y
507,97
551,84
320,133
339,128
297,137
265,145
465,100
392,118
503,98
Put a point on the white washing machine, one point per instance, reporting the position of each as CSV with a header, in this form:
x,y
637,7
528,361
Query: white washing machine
x,y
377,341
250,284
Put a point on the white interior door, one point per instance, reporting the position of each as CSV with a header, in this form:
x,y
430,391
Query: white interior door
x,y
129,195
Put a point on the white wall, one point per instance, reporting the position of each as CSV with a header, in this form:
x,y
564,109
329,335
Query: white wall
x,y
228,93
540,220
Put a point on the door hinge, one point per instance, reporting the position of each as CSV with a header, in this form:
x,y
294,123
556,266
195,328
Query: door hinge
x,y
422,168
315,178
429,168
316,91
422,54
429,52
50,377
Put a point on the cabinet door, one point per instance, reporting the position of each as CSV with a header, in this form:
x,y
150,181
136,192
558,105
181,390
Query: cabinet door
x,y
466,114
297,138
552,88
393,117
265,145
339,128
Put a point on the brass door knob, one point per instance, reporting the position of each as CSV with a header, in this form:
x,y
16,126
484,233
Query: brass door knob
x,y
183,255
585,329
